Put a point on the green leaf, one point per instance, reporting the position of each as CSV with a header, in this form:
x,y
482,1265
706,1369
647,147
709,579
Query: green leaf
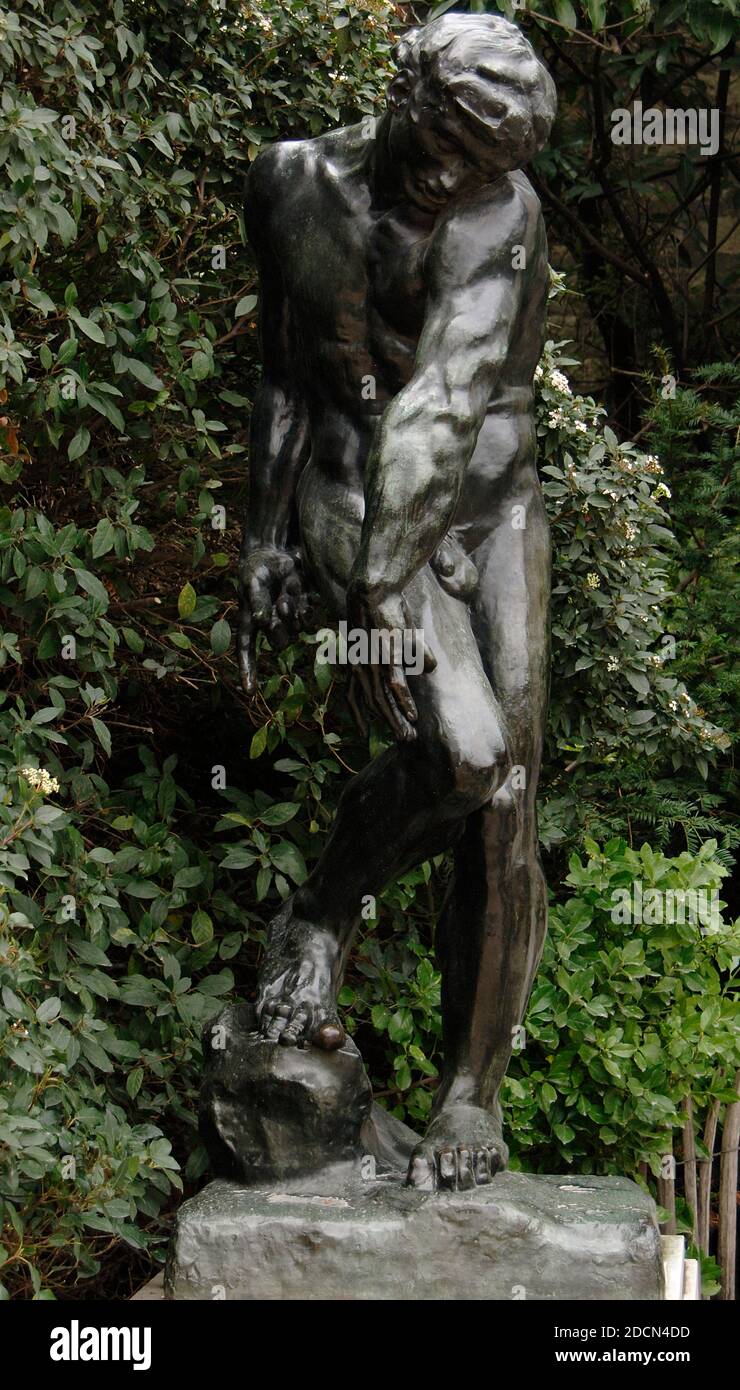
x,y
201,927
186,601
92,586
245,305
259,741
87,326
133,1081
133,641
79,444
200,366
144,374
103,538
279,813
288,859
102,733
49,1010
566,14
220,637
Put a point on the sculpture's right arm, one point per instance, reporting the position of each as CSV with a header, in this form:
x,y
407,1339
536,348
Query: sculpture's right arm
x,y
279,441
270,589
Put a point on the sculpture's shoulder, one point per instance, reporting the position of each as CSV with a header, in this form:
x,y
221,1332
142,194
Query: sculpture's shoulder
x,y
289,169
478,233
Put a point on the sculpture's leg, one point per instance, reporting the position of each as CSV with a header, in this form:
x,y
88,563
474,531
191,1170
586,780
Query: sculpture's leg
x,y
407,804
493,926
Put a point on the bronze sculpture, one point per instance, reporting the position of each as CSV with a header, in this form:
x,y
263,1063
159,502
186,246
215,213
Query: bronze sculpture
x,y
404,279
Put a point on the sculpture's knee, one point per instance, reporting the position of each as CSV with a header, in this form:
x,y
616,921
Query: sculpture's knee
x,y
480,769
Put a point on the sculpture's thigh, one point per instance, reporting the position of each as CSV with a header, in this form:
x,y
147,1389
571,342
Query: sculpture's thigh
x,y
511,621
330,519
458,711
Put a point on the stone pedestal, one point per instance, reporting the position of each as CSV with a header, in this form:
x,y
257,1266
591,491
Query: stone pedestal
x,y
346,1238
310,1201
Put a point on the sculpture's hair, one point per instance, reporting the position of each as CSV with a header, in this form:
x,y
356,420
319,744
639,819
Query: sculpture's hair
x,y
489,71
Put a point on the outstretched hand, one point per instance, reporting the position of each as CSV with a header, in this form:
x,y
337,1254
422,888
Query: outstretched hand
x,y
272,599
383,685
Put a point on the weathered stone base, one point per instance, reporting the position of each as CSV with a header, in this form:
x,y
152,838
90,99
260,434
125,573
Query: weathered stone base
x,y
338,1237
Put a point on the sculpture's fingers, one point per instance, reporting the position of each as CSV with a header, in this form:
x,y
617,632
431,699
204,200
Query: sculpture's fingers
x,y
397,683
385,704
279,637
259,600
286,611
247,649
304,613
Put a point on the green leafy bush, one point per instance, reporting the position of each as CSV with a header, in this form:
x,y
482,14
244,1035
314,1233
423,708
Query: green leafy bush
x,y
134,894
627,1018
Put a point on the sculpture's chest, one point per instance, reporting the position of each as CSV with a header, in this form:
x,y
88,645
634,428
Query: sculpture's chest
x,y
395,259
353,275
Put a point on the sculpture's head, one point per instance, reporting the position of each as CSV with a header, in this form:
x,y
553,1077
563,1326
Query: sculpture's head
x,y
471,101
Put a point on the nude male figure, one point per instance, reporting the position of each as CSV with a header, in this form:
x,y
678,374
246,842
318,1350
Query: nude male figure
x,y
404,280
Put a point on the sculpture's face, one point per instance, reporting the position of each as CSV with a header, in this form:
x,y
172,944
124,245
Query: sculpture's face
x,y
436,154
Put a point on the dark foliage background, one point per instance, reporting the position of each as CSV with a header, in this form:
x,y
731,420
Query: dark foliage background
x,y
150,819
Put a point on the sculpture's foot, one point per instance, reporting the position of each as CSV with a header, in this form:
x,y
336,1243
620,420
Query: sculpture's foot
x,y
463,1148
296,996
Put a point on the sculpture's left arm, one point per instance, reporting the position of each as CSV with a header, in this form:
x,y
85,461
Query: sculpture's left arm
x,y
429,430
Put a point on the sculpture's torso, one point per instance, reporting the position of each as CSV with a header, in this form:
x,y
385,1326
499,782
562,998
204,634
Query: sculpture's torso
x,y
355,278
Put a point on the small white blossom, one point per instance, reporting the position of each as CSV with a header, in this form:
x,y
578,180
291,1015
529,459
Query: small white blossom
x,y
593,581
560,381
662,491
40,780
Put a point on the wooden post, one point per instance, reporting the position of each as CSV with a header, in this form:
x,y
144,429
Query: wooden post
x,y
667,1197
705,1176
689,1168
728,1196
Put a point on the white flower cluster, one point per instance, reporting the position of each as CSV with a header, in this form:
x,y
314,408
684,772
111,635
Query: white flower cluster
x,y
662,491
559,381
40,780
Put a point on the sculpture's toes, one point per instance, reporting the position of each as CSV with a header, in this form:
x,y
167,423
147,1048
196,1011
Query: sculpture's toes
x,y
274,1019
422,1170
298,1025
295,1027
454,1169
